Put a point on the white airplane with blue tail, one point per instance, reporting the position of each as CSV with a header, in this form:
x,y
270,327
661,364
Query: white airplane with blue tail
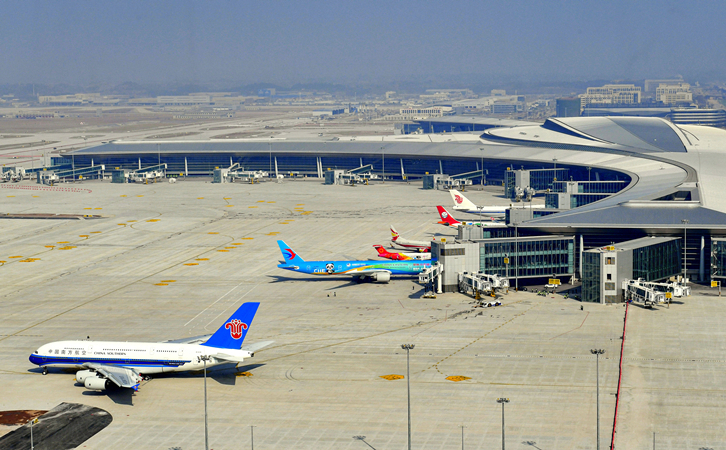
x,y
106,365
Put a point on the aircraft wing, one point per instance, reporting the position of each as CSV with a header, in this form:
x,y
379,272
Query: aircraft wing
x,y
120,376
256,346
189,340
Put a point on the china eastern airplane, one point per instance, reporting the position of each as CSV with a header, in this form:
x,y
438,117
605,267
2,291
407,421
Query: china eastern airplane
x,y
463,204
449,221
106,365
377,271
397,239
383,253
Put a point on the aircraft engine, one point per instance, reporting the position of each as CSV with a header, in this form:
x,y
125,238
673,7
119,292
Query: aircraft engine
x,y
81,375
381,277
97,383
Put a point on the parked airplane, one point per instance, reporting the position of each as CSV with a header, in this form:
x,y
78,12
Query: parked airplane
x,y
447,220
374,270
123,364
397,239
463,204
383,253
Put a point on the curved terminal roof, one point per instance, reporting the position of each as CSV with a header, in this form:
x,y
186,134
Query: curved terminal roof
x,y
664,161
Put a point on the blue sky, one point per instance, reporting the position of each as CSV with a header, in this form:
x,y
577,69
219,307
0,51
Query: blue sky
x,y
344,41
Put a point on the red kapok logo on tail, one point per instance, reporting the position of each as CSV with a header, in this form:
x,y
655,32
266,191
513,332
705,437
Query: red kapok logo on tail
x,y
235,328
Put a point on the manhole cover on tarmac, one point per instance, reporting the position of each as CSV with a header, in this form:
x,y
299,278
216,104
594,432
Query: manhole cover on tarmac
x,y
66,426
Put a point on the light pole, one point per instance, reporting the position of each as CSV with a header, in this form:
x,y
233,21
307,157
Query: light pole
x,y
482,164
383,160
588,173
33,422
252,437
685,226
516,258
462,436
205,358
408,348
597,352
502,401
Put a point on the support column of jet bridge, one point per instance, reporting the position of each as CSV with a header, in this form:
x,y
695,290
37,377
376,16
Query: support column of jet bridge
x,y
456,257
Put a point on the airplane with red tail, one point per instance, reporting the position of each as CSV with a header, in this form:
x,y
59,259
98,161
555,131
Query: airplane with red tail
x,y
400,241
383,253
449,221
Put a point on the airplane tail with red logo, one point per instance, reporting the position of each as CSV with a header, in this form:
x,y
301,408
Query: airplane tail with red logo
x,y
381,251
446,218
232,333
394,234
291,258
461,202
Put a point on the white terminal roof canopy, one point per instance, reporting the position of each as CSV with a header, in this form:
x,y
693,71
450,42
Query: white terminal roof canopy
x,y
660,157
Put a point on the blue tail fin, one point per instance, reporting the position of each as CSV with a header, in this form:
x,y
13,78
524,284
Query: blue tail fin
x,y
234,330
290,256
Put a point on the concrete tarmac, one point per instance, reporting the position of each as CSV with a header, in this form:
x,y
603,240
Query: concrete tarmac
x,y
174,260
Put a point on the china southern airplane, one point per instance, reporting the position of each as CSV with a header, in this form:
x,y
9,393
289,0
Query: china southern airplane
x,y
463,204
124,364
404,256
377,271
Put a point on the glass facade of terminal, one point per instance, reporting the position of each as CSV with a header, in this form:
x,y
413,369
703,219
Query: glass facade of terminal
x,y
591,277
718,258
592,187
539,179
536,257
576,200
659,261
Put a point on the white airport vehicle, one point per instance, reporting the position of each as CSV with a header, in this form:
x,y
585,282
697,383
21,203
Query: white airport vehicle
x,y
106,365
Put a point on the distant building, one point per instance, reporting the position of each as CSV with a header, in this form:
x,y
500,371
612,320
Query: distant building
x,y
671,94
498,92
183,100
568,107
329,111
433,111
611,94
652,85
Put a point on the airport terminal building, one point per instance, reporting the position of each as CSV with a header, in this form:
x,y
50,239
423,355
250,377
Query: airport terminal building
x,y
607,182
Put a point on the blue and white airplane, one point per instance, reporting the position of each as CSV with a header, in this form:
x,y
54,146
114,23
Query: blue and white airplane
x,y
377,271
124,364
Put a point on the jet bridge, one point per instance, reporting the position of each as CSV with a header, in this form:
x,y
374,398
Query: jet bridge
x,y
640,291
429,277
146,175
51,177
236,172
14,174
479,283
358,175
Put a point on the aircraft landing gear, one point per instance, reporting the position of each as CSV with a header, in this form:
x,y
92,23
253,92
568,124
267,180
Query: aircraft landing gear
x,y
45,371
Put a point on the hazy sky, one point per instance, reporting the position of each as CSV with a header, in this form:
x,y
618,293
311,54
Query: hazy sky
x,y
343,41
